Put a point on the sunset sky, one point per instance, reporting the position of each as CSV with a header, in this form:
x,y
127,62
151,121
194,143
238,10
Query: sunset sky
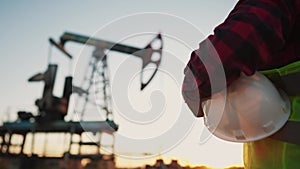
x,y
154,123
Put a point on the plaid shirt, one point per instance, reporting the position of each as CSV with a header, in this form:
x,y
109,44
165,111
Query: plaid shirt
x,y
257,35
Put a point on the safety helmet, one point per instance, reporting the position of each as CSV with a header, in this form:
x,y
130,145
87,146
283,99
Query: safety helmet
x,y
250,109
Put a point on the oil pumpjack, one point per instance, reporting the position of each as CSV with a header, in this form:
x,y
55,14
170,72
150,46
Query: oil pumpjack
x,y
52,109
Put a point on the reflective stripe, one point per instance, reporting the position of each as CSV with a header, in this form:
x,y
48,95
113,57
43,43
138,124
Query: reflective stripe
x,y
289,133
271,154
278,153
289,83
295,115
288,79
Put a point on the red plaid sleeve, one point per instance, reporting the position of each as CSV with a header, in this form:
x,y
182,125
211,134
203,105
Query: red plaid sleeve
x,y
257,35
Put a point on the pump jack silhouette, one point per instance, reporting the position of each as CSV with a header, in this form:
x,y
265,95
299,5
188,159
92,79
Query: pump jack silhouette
x,y
52,109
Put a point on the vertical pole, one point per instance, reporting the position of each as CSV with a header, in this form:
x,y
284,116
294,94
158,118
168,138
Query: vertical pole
x,y
32,140
72,130
23,143
9,142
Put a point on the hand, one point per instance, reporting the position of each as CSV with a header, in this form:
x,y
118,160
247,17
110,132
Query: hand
x,y
190,91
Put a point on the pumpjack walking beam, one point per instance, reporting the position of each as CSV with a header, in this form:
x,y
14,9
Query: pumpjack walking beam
x,y
146,53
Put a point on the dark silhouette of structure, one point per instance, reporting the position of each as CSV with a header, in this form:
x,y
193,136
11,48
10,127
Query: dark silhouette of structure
x,y
52,110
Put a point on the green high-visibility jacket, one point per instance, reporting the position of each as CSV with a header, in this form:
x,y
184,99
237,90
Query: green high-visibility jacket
x,y
271,153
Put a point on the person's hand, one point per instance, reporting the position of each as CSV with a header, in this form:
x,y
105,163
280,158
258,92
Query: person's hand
x,y
190,90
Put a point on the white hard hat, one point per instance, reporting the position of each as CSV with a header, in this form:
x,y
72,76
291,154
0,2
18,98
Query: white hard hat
x,y
250,109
